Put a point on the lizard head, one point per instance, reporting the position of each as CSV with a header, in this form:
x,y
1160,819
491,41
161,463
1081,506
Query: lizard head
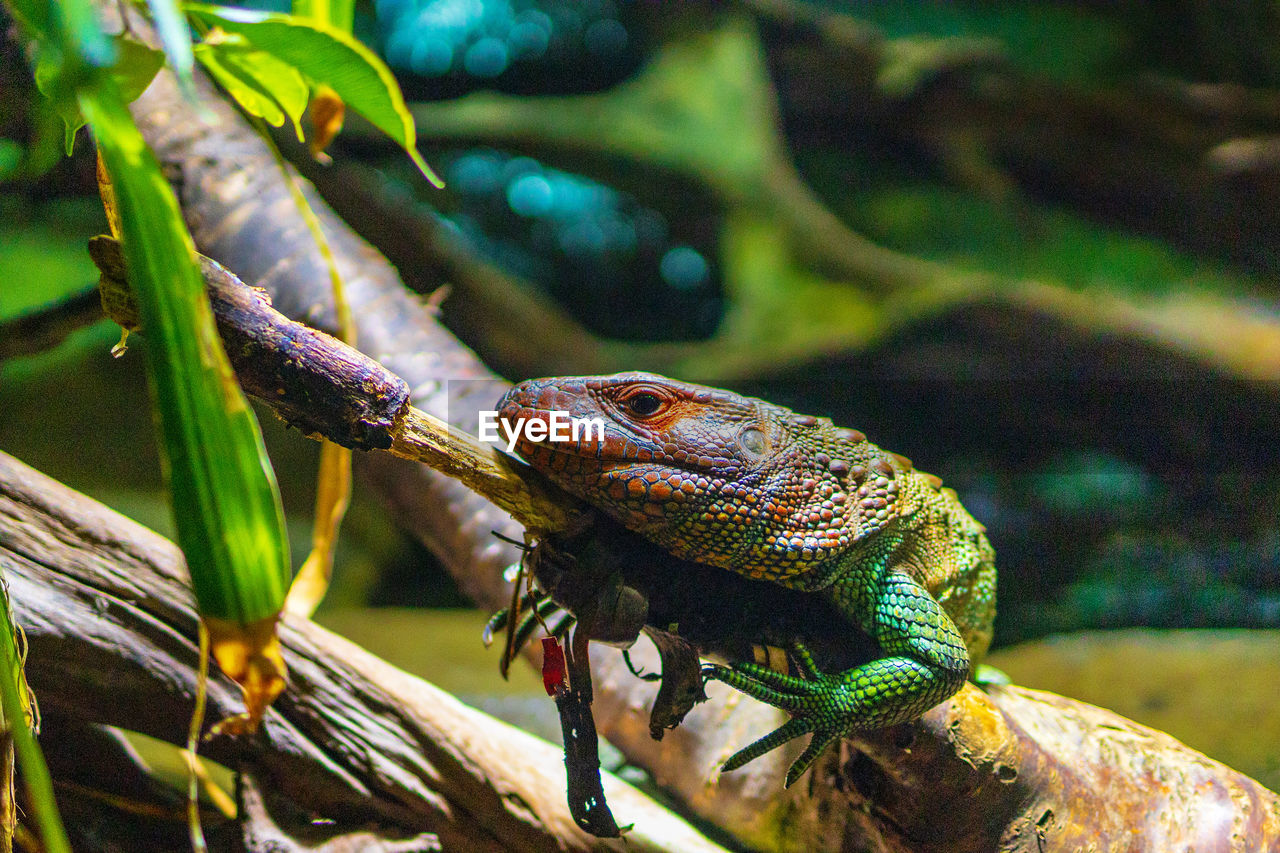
x,y
711,475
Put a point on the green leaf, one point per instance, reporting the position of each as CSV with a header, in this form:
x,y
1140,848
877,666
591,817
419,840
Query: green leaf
x,y
44,150
247,91
327,55
175,37
339,14
225,503
49,80
261,84
136,68
35,773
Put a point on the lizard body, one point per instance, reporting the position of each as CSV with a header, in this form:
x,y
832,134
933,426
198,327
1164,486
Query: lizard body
x,y
745,485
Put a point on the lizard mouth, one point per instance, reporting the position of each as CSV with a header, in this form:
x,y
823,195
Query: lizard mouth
x,y
572,455
591,460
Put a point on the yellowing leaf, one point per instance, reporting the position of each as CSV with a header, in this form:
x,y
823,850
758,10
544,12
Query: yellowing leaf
x,y
327,114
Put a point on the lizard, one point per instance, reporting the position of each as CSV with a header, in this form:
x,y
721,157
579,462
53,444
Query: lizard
x,y
741,484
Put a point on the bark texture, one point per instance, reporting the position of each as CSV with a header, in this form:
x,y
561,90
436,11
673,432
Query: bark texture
x,y
108,612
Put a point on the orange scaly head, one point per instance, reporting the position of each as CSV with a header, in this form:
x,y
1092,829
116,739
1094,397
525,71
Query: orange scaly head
x,y
710,475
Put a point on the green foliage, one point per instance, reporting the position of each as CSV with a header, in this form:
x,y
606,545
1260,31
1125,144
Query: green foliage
x,y
136,66
175,36
35,773
226,506
1061,41
42,149
326,55
261,84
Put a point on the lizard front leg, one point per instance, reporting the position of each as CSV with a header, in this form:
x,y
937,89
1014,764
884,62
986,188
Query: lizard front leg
x,y
925,662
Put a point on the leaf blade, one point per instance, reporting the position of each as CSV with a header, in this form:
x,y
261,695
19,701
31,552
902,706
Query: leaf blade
x,y
175,38
327,55
263,85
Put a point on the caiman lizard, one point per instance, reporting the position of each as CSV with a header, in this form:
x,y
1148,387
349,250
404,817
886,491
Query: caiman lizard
x,y
745,485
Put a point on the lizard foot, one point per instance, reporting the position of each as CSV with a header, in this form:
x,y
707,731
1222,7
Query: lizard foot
x,y
879,693
813,699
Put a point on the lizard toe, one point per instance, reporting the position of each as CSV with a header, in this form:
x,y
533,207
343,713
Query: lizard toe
x,y
793,728
822,738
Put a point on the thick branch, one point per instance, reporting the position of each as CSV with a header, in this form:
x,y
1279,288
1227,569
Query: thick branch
x,y
108,612
329,389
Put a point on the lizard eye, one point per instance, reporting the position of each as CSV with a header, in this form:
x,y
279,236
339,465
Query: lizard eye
x,y
752,442
643,404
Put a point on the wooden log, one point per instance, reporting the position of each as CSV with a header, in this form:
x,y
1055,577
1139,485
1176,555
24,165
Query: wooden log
x,y
109,615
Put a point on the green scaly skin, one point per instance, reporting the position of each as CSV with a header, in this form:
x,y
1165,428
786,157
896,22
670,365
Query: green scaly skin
x,y
754,488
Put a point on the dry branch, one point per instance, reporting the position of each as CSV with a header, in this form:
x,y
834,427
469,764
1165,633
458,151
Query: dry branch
x,y
329,389
109,615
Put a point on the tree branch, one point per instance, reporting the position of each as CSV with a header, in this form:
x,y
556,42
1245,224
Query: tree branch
x,y
45,328
107,610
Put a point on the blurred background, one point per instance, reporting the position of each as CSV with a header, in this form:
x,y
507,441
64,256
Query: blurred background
x,y
1035,247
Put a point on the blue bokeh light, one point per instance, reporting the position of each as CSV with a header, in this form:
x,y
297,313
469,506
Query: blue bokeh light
x,y
488,57
531,195
431,57
684,268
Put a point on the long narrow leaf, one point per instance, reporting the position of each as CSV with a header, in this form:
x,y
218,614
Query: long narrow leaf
x,y
226,506
175,38
35,772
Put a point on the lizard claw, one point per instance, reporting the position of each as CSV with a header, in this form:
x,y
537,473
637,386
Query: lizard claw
x,y
713,672
817,745
805,697
793,728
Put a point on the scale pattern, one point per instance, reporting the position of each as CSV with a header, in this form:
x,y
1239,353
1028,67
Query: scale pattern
x,y
757,489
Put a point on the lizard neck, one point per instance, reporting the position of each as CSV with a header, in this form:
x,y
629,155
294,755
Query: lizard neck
x,y
798,518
